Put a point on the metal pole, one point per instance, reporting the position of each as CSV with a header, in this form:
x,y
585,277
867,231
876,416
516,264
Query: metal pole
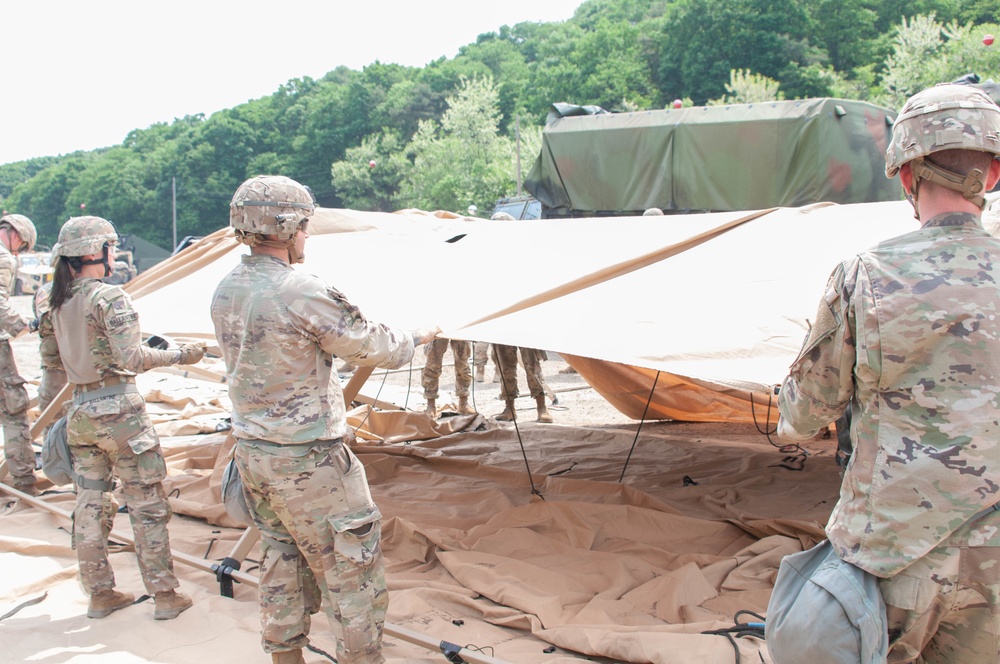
x,y
173,197
517,143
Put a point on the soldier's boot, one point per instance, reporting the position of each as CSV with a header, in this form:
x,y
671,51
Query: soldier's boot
x,y
288,657
171,604
464,407
544,416
481,373
431,409
508,413
106,602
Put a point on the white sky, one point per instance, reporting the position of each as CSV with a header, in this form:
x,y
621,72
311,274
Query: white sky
x,y
81,75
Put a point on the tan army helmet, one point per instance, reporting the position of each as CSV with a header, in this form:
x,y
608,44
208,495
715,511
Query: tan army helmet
x,y
945,117
502,216
82,236
270,205
24,228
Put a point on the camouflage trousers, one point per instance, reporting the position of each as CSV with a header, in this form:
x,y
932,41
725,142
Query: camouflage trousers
x,y
104,435
431,377
315,498
945,608
52,381
17,448
480,353
506,359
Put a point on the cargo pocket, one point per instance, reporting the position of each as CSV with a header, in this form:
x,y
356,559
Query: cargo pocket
x,y
151,467
15,397
362,599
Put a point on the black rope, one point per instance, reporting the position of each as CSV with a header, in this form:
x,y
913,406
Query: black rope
x,y
741,629
513,411
639,428
791,448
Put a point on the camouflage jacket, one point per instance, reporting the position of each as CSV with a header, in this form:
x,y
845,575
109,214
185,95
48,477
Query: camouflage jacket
x,y
11,322
97,335
909,333
279,330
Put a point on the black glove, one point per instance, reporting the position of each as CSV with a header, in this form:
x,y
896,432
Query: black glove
x,y
33,325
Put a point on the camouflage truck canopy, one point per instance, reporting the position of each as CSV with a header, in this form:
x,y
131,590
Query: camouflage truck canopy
x,y
713,158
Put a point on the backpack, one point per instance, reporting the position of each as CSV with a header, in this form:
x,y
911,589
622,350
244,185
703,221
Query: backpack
x,y
824,610
57,461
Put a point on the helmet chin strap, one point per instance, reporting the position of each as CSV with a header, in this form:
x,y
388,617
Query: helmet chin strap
x,y
103,260
971,186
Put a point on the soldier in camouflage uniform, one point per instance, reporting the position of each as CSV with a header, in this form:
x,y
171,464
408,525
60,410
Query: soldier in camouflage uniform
x,y
93,334
908,334
53,377
279,330
431,376
17,234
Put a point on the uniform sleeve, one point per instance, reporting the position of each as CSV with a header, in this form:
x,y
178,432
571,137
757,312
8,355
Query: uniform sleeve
x,y
820,383
11,322
122,324
340,329
48,346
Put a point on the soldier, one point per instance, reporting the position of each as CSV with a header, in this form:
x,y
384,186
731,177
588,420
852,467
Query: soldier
x,y
431,376
506,360
53,377
279,330
93,334
908,335
17,235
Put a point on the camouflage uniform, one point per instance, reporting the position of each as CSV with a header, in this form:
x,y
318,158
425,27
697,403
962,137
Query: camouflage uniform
x,y
97,341
279,330
14,411
53,378
506,360
908,333
431,375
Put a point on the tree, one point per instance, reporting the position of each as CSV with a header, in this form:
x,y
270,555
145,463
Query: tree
x,y
369,176
745,87
463,161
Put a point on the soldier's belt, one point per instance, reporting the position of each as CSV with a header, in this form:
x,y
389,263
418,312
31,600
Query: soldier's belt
x,y
107,381
292,449
83,396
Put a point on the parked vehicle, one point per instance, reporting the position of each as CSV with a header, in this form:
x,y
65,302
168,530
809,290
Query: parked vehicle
x,y
33,271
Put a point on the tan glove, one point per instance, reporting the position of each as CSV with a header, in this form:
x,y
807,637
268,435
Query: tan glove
x,y
191,353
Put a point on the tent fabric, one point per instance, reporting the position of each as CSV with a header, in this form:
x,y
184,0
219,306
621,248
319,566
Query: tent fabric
x,y
783,153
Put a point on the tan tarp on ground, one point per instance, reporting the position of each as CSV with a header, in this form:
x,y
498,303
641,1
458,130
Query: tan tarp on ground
x,y
480,553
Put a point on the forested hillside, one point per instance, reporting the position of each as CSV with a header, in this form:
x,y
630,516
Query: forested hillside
x,y
444,136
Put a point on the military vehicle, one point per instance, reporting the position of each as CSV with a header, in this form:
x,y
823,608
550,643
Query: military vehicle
x,y
712,158
33,271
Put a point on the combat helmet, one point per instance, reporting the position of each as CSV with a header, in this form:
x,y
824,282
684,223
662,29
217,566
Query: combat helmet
x,y
23,226
82,236
945,117
270,205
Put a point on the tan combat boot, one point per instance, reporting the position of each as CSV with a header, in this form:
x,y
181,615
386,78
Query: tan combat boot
x,y
464,408
171,604
288,657
481,373
106,602
431,410
508,414
544,416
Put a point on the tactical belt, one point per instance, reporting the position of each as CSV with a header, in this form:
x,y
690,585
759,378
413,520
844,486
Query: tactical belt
x,y
105,388
277,448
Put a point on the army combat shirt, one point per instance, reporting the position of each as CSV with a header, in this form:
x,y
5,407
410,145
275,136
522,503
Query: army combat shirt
x,y
97,335
11,322
279,330
909,333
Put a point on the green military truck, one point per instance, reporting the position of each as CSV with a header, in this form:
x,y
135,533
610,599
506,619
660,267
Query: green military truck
x,y
712,158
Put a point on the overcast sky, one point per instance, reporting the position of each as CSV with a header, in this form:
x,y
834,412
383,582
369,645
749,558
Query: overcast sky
x,y
81,75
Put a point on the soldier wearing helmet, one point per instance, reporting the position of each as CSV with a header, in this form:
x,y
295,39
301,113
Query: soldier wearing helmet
x,y
908,335
279,330
92,332
17,234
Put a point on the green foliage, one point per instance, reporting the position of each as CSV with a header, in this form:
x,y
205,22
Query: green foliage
x,y
442,135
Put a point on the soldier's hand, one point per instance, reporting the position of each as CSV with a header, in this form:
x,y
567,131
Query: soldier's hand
x,y
425,335
192,353
33,325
